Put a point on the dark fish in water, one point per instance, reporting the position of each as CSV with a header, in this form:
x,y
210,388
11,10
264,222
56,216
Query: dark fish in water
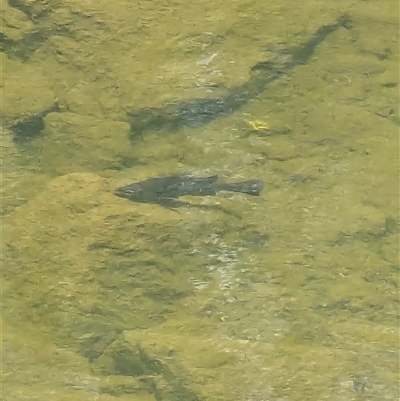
x,y
198,112
161,190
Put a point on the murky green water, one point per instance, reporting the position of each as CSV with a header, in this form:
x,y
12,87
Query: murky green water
x,y
290,296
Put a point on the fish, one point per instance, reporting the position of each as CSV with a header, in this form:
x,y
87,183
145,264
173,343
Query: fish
x,y
198,112
162,190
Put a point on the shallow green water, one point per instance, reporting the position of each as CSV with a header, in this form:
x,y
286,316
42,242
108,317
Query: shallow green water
x,y
290,296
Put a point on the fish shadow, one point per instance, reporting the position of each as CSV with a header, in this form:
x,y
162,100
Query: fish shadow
x,y
174,205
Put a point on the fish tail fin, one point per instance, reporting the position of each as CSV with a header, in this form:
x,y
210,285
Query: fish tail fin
x,y
252,187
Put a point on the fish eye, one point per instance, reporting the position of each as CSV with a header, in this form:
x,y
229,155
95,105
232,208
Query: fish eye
x,y
133,190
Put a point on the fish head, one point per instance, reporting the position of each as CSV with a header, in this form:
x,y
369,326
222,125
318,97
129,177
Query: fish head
x,y
132,191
